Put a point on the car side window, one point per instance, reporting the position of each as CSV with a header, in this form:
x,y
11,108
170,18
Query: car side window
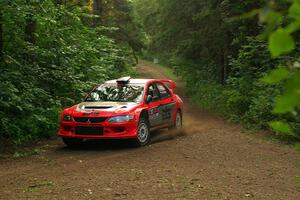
x,y
152,90
164,92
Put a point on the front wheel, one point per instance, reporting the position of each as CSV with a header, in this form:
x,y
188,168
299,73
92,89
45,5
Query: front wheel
x,y
143,133
72,142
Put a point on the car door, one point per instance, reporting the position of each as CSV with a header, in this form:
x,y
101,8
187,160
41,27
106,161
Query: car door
x,y
167,103
154,109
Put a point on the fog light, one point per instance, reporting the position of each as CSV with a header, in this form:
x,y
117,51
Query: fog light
x,y
67,118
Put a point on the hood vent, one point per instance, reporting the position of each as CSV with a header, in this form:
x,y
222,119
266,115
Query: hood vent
x,y
97,107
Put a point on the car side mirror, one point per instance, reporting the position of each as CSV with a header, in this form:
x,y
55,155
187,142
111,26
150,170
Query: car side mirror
x,y
148,99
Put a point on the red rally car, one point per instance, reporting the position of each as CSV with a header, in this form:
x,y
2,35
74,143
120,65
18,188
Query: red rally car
x,y
123,109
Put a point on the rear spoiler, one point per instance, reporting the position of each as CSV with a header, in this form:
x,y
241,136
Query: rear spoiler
x,y
169,83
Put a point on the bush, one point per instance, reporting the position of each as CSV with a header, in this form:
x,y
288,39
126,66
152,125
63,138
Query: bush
x,y
40,77
244,98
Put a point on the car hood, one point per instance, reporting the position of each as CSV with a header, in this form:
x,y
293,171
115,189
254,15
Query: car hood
x,y
106,107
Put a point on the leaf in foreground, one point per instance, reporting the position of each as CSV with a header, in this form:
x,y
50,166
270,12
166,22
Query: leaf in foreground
x,y
281,127
281,42
276,75
286,103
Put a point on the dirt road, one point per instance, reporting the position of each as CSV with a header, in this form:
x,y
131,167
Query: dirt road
x,y
213,159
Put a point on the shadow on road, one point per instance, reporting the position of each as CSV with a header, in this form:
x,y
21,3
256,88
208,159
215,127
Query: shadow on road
x,y
100,145
121,145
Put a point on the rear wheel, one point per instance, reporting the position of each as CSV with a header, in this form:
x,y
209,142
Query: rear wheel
x,y
72,142
178,121
143,135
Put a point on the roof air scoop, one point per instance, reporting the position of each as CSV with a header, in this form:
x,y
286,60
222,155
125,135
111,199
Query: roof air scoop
x,y
124,80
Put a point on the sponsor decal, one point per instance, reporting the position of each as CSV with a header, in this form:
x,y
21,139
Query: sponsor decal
x,y
153,113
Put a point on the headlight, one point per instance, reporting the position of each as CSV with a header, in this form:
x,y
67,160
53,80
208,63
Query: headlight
x,y
120,119
67,118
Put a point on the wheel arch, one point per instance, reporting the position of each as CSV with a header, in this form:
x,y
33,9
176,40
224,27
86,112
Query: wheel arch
x,y
144,114
180,111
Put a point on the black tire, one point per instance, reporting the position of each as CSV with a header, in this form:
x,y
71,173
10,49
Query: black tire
x,y
143,137
72,142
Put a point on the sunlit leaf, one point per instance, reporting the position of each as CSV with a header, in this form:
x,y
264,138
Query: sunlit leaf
x,y
281,127
276,75
286,103
293,84
292,27
281,42
294,10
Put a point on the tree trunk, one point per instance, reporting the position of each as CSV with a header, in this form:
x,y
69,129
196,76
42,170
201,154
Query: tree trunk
x,y
58,2
224,67
135,56
224,59
30,28
97,10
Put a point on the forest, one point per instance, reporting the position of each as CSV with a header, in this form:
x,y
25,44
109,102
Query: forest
x,y
54,51
239,59
236,65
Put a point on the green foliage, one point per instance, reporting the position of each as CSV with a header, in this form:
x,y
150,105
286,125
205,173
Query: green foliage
x,y
120,15
197,31
245,98
276,75
281,41
219,49
286,103
208,96
53,68
281,127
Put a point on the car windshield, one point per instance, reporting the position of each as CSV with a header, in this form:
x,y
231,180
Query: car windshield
x,y
117,93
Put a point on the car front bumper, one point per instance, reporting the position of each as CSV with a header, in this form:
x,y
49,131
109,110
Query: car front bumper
x,y
103,130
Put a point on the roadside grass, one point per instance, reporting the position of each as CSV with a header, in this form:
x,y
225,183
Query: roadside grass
x,y
297,179
30,151
37,185
131,71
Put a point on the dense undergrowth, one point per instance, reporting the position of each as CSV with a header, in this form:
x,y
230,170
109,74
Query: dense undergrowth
x,y
244,98
49,59
52,52
219,48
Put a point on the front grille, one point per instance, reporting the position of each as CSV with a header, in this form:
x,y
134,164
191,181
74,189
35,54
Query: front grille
x,y
90,119
83,130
